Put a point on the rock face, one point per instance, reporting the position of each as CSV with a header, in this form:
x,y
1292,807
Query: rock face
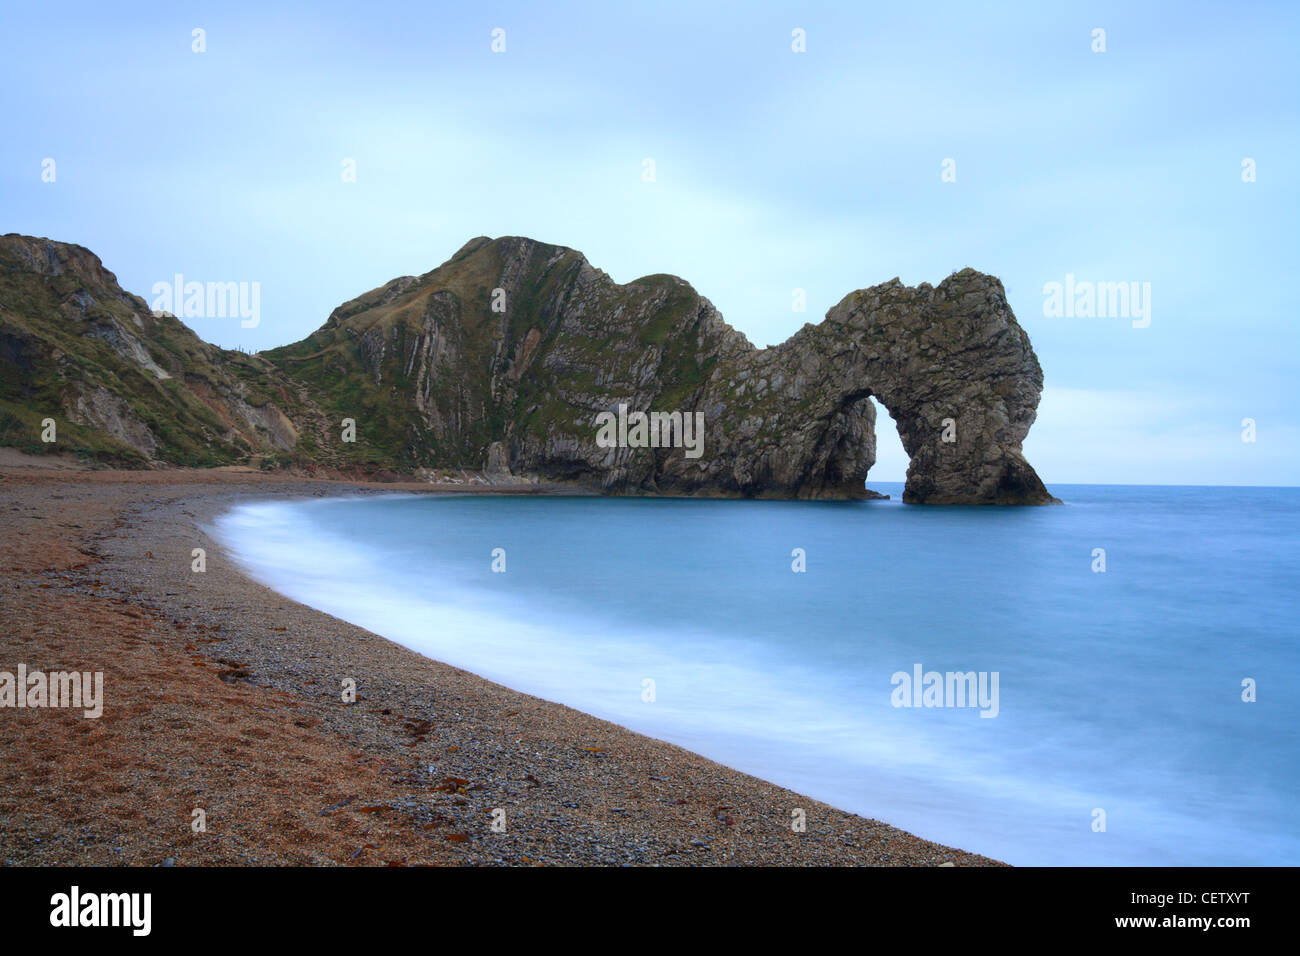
x,y
509,357
520,390
959,377
950,364
125,385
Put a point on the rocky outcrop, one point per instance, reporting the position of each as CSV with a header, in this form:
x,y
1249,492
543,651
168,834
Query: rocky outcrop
x,y
959,377
506,358
518,358
125,385
99,408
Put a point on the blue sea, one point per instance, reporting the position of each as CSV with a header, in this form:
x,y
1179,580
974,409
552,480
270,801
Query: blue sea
x,y
1118,733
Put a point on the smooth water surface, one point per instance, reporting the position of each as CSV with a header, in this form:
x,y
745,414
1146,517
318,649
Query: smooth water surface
x,y
1119,691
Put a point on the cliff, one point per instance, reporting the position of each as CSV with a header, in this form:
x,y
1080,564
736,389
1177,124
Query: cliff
x,y
126,386
512,355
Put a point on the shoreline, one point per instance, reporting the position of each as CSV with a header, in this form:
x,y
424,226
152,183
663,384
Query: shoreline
x,y
223,696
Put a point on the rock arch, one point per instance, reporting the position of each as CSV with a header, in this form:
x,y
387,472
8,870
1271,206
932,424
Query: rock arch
x,y
949,362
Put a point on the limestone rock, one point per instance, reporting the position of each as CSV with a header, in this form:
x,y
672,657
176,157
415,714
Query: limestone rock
x,y
506,359
127,385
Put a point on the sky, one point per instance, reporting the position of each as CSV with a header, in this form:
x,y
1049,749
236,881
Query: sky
x,y
903,140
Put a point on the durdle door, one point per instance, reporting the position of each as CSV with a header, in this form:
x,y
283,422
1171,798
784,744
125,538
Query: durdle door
x,y
513,358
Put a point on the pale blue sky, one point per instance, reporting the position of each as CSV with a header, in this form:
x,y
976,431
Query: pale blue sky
x,y
775,171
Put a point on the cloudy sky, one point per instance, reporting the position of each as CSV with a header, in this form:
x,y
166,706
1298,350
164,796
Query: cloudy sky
x,y
774,170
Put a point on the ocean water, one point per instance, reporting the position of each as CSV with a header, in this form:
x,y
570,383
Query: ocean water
x,y
1117,691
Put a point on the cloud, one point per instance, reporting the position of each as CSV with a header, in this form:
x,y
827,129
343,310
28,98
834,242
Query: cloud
x,y
1131,436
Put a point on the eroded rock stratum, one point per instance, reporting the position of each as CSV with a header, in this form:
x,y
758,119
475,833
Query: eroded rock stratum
x,y
504,358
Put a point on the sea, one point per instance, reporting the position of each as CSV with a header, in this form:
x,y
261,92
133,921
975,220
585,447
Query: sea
x,y
1111,681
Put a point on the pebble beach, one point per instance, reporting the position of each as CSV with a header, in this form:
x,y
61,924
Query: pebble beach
x,y
223,707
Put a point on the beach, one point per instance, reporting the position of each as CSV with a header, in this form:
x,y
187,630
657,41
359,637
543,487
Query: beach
x,y
223,705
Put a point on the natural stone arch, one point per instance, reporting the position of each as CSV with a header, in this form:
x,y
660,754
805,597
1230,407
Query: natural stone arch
x,y
959,377
950,358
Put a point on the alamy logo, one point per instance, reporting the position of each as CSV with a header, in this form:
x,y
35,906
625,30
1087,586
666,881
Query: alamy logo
x,y
209,300
651,430
950,689
103,909
1101,300
56,689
